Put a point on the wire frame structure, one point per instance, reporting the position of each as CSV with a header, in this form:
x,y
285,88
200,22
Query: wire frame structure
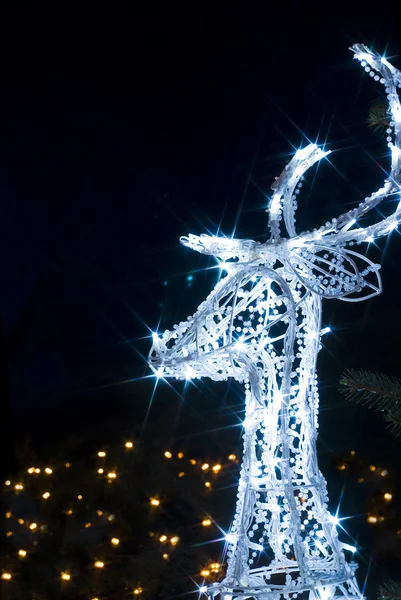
x,y
261,325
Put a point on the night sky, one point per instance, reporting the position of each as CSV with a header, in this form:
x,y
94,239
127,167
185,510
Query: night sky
x,y
122,129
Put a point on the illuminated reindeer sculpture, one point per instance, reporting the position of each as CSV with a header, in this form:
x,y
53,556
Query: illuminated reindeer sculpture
x,y
261,325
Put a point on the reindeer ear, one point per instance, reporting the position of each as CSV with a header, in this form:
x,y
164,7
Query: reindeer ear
x,y
341,274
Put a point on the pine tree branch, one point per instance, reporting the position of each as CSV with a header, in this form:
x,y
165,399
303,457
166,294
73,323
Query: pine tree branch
x,y
376,391
378,115
391,590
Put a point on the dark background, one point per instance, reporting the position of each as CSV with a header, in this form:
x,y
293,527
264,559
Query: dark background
x,y
125,126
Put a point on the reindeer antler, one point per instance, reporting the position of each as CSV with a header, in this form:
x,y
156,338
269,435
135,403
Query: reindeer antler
x,y
390,77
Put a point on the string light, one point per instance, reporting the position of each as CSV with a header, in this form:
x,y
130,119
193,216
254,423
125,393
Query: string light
x,y
21,521
33,526
165,556
192,461
168,454
67,465
115,541
138,591
208,484
8,515
154,501
384,473
205,467
8,482
112,475
231,457
205,572
206,522
181,474
216,468
387,496
101,453
48,471
180,455
6,576
163,538
98,564
19,486
174,540
46,495
65,576
100,471
22,553
372,519
129,445
372,468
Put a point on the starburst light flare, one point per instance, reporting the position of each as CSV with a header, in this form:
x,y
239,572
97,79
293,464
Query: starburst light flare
x,y
261,325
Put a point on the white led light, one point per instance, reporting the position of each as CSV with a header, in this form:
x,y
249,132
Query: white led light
x,y
155,337
203,589
262,327
160,372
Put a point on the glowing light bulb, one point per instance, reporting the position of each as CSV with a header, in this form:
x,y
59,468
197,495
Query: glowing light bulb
x,y
6,575
174,540
216,468
115,541
8,482
112,475
334,519
231,538
325,330
46,495
100,471
208,484
163,538
387,496
159,372
203,589
154,501
65,576
205,572
48,471
98,564
348,547
189,373
155,337
231,457
129,445
372,519
205,467
206,522
101,453
33,526
22,553
370,239
168,454
138,591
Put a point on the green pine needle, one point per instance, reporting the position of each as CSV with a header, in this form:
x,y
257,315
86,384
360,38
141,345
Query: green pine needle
x,y
377,392
391,590
378,115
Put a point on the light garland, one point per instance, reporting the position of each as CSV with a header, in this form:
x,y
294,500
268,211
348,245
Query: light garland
x,y
261,325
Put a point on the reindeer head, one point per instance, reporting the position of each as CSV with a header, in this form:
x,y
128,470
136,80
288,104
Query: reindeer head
x,y
235,331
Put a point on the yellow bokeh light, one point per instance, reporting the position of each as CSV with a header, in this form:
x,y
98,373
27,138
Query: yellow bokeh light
x,y
231,457
165,556
6,575
99,512
87,525
67,465
208,484
352,452
46,495
33,526
168,454
31,470
112,475
205,467
174,540
19,486
101,453
100,471
65,576
48,470
181,474
9,533
21,521
154,502
361,480
69,512
372,519
115,541
22,553
216,468
138,591
79,497
180,455
37,470
162,538
384,473
192,461
342,467
388,496
8,482
129,445
205,572
99,564
206,522
8,515
372,468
